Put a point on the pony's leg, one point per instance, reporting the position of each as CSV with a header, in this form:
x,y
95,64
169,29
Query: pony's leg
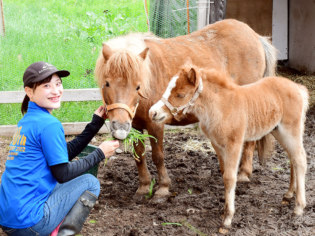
x,y
221,162
232,158
143,172
291,140
246,166
164,181
290,193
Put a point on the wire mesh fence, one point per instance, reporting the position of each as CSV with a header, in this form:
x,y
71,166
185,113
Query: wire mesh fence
x,y
171,18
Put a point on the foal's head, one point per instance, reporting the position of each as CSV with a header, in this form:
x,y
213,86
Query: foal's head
x,y
119,75
179,96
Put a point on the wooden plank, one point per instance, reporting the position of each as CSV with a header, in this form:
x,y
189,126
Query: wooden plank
x,y
70,128
69,95
76,128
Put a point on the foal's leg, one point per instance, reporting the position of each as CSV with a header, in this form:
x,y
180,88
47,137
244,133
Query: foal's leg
x,y
220,158
158,158
291,140
246,166
232,158
292,188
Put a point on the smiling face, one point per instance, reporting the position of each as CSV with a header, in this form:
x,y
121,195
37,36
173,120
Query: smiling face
x,y
47,94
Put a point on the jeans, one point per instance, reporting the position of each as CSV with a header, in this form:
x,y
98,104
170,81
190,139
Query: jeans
x,y
57,206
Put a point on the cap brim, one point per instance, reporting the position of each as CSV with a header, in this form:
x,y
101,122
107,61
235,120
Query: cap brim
x,y
60,73
63,73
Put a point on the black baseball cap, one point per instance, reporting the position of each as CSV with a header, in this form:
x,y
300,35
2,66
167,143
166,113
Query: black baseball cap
x,y
39,71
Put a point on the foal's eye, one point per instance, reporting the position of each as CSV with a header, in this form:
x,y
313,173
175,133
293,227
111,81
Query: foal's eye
x,y
180,95
138,87
107,84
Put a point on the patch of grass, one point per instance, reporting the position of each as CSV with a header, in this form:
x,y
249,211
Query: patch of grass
x,y
67,34
150,194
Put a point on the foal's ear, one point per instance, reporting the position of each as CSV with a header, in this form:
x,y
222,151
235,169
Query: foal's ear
x,y
144,53
107,52
192,76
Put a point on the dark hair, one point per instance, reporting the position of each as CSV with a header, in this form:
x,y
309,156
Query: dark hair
x,y
33,86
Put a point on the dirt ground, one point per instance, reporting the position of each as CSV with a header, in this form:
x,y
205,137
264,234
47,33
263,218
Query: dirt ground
x,y
196,202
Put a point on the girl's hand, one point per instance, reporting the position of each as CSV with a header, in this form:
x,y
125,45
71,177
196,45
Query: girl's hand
x,y
101,112
109,147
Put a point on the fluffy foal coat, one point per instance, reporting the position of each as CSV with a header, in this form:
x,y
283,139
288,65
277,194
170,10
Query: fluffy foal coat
x,y
230,115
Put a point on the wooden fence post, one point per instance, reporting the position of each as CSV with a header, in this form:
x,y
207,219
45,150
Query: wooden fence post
x,y
2,28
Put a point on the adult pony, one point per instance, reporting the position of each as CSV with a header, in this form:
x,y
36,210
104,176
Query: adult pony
x,y
230,114
134,70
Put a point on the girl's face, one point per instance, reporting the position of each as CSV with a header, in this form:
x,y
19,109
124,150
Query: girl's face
x,y
47,95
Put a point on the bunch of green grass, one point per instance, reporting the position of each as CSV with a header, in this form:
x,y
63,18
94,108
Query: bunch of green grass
x,y
135,137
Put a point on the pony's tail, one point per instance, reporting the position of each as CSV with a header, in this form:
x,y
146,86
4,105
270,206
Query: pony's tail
x,y
270,56
305,98
266,144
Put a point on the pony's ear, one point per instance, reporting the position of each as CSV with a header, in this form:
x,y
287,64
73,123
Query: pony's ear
x,y
144,53
107,52
192,76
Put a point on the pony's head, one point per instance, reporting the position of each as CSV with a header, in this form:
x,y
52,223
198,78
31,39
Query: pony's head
x,y
119,74
179,96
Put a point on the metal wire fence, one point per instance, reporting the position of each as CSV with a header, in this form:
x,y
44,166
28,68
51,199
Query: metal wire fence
x,y
171,18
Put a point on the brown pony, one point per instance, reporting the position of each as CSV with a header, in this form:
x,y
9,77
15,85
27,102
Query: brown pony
x,y
134,70
230,114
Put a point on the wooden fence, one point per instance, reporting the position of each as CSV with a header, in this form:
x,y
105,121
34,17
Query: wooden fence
x,y
69,95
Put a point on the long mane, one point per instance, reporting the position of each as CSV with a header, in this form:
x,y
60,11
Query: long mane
x,y
125,62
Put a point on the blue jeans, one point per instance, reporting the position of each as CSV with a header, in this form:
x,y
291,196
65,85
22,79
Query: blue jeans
x,y
57,206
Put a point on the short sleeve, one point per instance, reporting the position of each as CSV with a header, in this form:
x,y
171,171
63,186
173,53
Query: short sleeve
x,y
54,144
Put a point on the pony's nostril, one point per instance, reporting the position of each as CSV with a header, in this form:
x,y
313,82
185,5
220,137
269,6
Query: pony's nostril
x,y
154,115
115,124
126,126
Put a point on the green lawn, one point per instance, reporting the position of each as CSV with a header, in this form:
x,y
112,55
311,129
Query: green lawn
x,y
67,34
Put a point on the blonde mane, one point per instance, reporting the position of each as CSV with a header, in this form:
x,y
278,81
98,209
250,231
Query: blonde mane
x,y
125,62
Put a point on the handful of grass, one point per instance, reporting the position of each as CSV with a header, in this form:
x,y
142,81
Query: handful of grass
x,y
135,137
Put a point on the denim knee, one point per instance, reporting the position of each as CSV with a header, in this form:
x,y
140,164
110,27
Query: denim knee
x,y
93,184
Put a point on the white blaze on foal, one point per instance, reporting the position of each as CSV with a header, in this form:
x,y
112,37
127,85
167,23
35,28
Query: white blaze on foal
x,y
157,108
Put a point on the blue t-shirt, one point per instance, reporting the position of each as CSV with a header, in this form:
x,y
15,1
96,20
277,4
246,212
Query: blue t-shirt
x,y
27,181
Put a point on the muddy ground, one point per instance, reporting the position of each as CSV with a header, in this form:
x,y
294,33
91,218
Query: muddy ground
x,y
196,202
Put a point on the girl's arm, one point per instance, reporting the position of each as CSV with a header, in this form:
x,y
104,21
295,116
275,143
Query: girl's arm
x,y
67,171
76,145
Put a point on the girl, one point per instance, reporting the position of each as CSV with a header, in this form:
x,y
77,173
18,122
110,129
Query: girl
x,y
40,187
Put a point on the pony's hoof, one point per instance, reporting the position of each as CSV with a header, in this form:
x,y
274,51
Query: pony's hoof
x,y
139,198
227,222
223,230
287,196
298,211
161,195
242,178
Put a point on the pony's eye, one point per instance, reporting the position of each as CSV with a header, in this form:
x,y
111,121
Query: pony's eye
x,y
107,84
138,87
180,95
